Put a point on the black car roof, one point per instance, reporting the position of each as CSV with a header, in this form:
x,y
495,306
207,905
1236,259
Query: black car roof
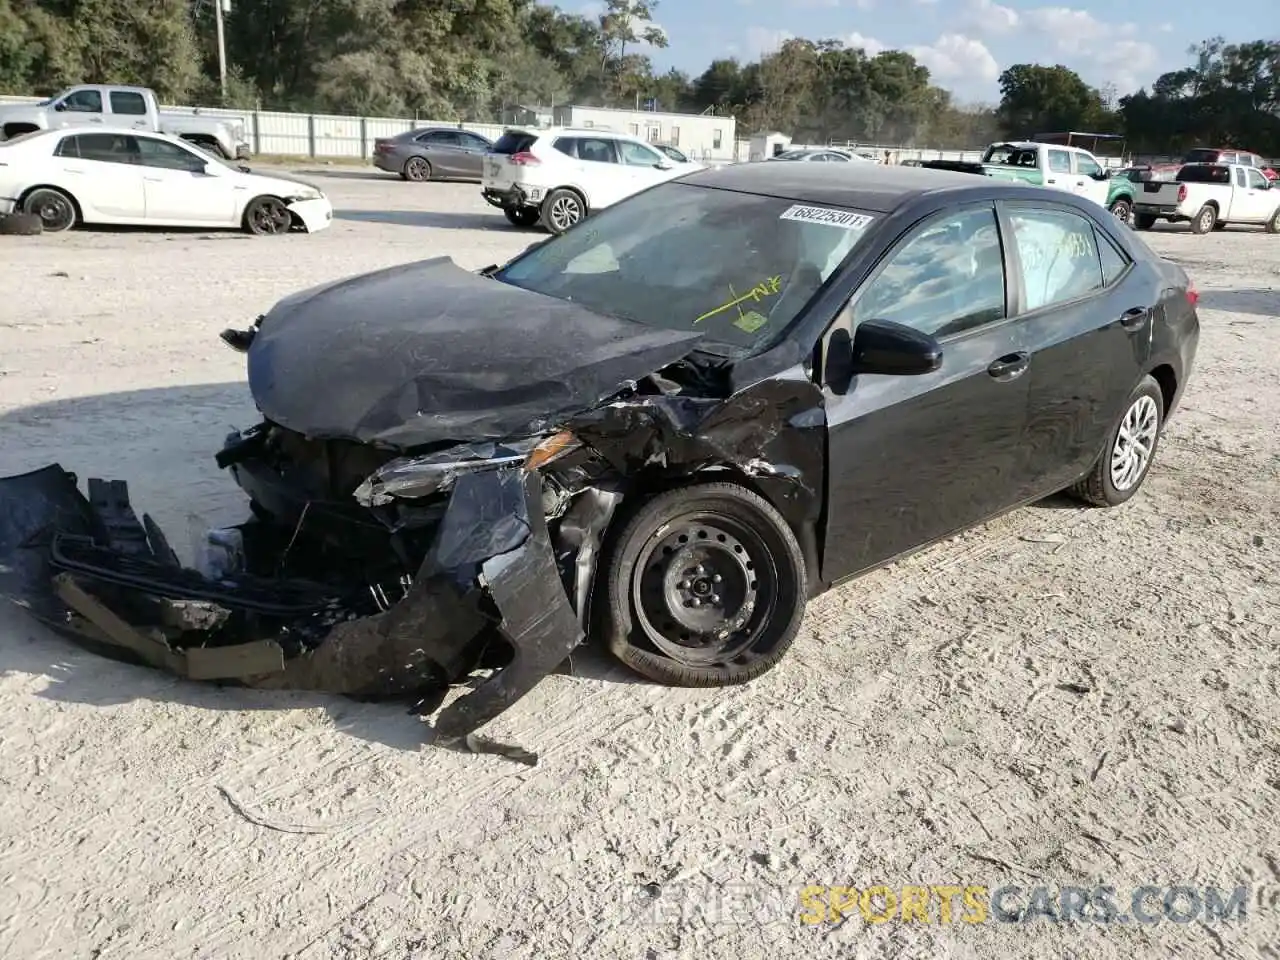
x,y
875,187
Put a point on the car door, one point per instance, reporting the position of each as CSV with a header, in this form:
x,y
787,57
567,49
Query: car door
x,y
1087,169
128,109
1086,323
471,158
443,150
912,459
81,108
644,165
601,172
1057,170
102,172
1259,196
179,188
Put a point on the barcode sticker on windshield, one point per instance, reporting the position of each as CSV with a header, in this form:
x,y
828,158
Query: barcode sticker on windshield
x,y
832,218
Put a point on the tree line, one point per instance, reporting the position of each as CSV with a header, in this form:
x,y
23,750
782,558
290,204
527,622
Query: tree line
x,y
475,59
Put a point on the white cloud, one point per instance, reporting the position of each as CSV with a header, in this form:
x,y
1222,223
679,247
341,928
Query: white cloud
x,y
763,40
870,45
991,18
830,4
954,56
1108,50
1165,28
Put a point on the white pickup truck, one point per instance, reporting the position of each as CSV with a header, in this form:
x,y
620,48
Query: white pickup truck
x,y
1209,196
121,106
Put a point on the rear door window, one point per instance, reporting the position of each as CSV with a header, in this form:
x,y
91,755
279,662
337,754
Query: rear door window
x,y
107,148
597,150
439,138
1059,161
567,145
1058,253
128,103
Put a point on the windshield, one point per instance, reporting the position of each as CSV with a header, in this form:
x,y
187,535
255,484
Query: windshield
x,y
735,266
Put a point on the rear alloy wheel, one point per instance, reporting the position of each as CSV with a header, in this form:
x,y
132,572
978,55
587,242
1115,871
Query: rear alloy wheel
x,y
1204,220
1123,466
417,169
1144,221
267,217
522,216
561,210
1122,210
56,210
704,586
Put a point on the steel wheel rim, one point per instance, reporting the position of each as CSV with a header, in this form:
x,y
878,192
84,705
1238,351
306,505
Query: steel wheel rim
x,y
1207,219
1135,441
55,211
417,169
565,212
704,588
271,217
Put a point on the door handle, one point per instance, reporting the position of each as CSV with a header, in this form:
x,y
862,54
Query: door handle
x,y
95,119
1133,318
1010,366
154,179
1079,183
1051,180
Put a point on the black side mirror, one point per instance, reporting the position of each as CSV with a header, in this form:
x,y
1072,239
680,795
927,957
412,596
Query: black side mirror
x,y
880,347
60,106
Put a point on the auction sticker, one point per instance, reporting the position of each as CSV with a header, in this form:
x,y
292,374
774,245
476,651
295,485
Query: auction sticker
x,y
833,218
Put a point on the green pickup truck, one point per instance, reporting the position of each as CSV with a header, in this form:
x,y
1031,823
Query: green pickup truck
x,y
1054,166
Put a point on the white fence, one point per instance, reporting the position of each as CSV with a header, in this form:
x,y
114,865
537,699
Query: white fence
x,y
321,136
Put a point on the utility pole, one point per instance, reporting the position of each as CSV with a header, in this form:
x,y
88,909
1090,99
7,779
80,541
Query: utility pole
x,y
219,8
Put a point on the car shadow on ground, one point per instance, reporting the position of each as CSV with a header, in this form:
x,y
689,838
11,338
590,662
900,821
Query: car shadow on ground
x,y
134,436
1261,303
340,174
430,218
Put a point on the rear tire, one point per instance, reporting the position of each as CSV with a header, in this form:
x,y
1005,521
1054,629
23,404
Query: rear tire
x,y
704,586
1143,221
417,169
1131,449
522,216
561,210
1273,225
1204,219
56,210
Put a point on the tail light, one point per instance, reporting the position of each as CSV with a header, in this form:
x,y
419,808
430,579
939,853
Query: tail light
x,y
381,146
1182,192
525,159
1193,295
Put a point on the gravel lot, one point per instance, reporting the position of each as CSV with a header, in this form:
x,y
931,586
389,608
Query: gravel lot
x,y
1063,697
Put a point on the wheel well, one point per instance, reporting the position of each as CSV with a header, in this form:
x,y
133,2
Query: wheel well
x,y
244,217
1212,203
1168,381
12,130
49,186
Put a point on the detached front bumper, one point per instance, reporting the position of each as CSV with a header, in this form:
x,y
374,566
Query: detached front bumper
x,y
88,567
514,196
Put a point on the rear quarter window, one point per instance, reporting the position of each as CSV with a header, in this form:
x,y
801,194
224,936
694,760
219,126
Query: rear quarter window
x,y
512,142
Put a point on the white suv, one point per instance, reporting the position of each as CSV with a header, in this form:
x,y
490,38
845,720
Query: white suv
x,y
559,175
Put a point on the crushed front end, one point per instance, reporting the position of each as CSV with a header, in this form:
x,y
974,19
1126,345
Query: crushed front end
x,y
358,573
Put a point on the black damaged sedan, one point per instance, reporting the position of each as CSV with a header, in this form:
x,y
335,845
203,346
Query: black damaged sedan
x,y
665,430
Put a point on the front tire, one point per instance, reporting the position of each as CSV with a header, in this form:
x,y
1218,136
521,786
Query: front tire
x,y
704,586
1204,219
56,210
1122,210
1131,449
561,210
267,217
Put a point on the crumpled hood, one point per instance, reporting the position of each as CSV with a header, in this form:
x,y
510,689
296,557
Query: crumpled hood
x,y
272,175
429,352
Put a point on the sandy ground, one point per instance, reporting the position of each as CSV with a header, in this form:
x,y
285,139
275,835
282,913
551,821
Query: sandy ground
x,y
1063,697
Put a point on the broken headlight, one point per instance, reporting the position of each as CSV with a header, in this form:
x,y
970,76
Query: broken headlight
x,y
416,477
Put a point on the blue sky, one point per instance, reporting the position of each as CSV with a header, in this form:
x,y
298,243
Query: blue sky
x,y
966,43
